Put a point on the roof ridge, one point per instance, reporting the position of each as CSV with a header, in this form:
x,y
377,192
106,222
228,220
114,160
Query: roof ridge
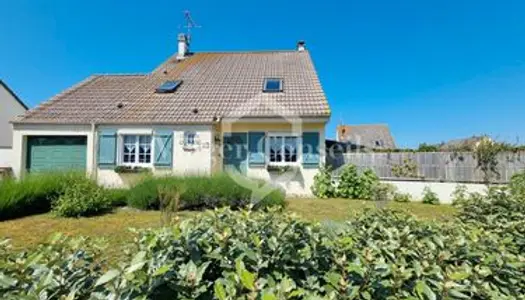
x,y
59,96
119,74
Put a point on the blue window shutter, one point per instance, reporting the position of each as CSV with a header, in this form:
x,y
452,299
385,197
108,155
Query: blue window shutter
x,y
257,148
163,148
107,148
311,149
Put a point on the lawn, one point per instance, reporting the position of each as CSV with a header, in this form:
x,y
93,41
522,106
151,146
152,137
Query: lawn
x,y
30,231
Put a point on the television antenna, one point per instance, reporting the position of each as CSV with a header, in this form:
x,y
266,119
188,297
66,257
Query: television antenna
x,y
189,24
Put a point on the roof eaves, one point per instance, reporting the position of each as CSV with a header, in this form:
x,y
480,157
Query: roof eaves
x,y
10,91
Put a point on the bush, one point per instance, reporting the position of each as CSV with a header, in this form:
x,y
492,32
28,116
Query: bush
x,y
402,197
429,196
383,192
323,186
82,199
34,193
459,195
517,185
221,254
201,192
348,182
117,196
356,186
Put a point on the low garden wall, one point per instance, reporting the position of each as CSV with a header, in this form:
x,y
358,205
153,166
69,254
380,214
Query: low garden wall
x,y
443,190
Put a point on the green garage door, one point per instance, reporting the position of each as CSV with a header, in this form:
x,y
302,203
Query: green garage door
x,y
51,153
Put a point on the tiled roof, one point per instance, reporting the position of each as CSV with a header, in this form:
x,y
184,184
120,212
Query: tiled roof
x,y
372,136
214,85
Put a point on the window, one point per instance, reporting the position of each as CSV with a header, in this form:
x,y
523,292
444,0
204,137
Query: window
x,y
136,149
189,138
283,149
273,85
168,86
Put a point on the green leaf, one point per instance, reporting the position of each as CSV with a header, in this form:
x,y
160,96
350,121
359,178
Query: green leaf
x,y
423,289
162,270
220,292
6,281
457,294
110,275
458,276
268,296
248,279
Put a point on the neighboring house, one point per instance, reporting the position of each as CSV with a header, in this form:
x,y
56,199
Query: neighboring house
x,y
371,136
464,144
10,107
196,113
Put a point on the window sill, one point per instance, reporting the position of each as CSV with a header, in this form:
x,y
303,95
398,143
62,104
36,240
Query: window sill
x,y
132,169
189,148
283,168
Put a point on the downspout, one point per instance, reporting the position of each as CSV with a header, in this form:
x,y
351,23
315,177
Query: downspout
x,y
94,168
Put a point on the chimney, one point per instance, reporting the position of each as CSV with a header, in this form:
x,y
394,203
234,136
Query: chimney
x,y
301,46
184,46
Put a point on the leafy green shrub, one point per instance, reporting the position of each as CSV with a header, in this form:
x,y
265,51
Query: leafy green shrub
x,y
367,181
517,185
82,199
323,186
402,197
117,196
459,195
429,196
61,268
356,186
34,193
383,192
200,192
222,254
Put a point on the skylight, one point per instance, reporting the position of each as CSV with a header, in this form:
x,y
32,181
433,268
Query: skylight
x,y
169,86
273,85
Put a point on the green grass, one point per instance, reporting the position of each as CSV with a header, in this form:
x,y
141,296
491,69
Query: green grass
x,y
29,231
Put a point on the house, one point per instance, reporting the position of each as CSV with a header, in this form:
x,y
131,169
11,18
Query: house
x,y
10,107
370,136
248,113
462,144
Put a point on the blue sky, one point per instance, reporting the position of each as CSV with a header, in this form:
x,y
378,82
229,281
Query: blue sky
x,y
432,70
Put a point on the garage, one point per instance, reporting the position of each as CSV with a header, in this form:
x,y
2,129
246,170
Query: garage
x,y
51,153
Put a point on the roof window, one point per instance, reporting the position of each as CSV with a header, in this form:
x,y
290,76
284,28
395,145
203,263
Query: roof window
x,y
273,85
168,86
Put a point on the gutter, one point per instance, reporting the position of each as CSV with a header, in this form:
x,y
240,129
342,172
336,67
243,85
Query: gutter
x,y
94,168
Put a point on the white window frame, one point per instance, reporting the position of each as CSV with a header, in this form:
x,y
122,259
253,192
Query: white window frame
x,y
137,145
284,135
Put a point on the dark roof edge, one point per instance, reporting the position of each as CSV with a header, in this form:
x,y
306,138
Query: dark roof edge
x,y
10,91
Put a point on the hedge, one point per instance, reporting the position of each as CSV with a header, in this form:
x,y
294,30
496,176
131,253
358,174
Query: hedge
x,y
200,192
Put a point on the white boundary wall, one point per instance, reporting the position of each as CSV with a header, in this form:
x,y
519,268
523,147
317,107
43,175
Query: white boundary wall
x,y
442,189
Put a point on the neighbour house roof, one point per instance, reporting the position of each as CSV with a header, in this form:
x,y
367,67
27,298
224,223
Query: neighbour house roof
x,y
6,87
213,85
372,136
461,144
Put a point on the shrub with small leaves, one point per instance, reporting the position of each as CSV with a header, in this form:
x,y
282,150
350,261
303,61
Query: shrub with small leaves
x,y
323,186
429,196
383,192
517,185
459,195
82,199
402,197
348,182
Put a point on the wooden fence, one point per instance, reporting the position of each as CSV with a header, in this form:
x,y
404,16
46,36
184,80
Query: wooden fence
x,y
433,166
